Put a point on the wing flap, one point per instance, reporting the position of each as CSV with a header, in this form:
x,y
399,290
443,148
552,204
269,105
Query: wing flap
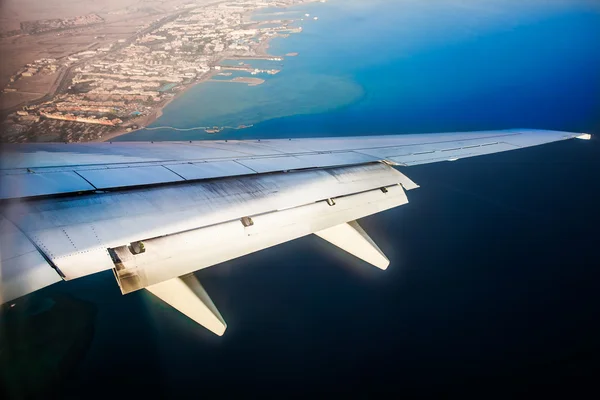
x,y
170,256
27,184
75,232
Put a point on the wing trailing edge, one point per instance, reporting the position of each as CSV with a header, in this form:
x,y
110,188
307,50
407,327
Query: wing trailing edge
x,y
175,255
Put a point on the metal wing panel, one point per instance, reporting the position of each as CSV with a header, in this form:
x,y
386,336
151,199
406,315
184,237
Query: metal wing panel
x,y
441,147
452,154
75,232
175,255
336,159
100,163
25,184
534,137
22,268
271,164
206,170
124,177
60,154
42,155
361,143
241,147
274,164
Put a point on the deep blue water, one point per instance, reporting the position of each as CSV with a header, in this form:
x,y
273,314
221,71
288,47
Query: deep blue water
x,y
493,282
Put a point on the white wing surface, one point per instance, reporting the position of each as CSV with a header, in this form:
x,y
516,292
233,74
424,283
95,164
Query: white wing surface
x,y
156,212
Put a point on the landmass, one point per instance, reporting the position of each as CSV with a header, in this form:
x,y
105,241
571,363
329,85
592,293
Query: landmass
x,y
110,83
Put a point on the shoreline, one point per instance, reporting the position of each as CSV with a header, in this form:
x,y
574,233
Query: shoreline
x,y
261,53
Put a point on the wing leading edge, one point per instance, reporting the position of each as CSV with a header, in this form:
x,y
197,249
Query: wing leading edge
x,y
29,170
156,212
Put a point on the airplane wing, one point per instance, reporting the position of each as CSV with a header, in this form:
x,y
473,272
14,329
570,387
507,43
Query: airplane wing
x,y
155,212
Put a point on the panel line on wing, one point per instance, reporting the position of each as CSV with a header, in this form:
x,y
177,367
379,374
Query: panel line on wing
x,y
164,166
82,177
250,168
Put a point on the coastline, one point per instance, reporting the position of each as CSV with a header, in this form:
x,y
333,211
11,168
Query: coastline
x,y
156,113
261,50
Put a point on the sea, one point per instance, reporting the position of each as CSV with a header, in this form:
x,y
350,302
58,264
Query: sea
x,y
492,288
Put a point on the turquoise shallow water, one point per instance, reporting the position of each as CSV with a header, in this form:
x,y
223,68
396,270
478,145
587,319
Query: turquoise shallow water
x,y
405,66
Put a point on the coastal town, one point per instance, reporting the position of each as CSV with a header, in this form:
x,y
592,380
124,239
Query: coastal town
x,y
114,88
